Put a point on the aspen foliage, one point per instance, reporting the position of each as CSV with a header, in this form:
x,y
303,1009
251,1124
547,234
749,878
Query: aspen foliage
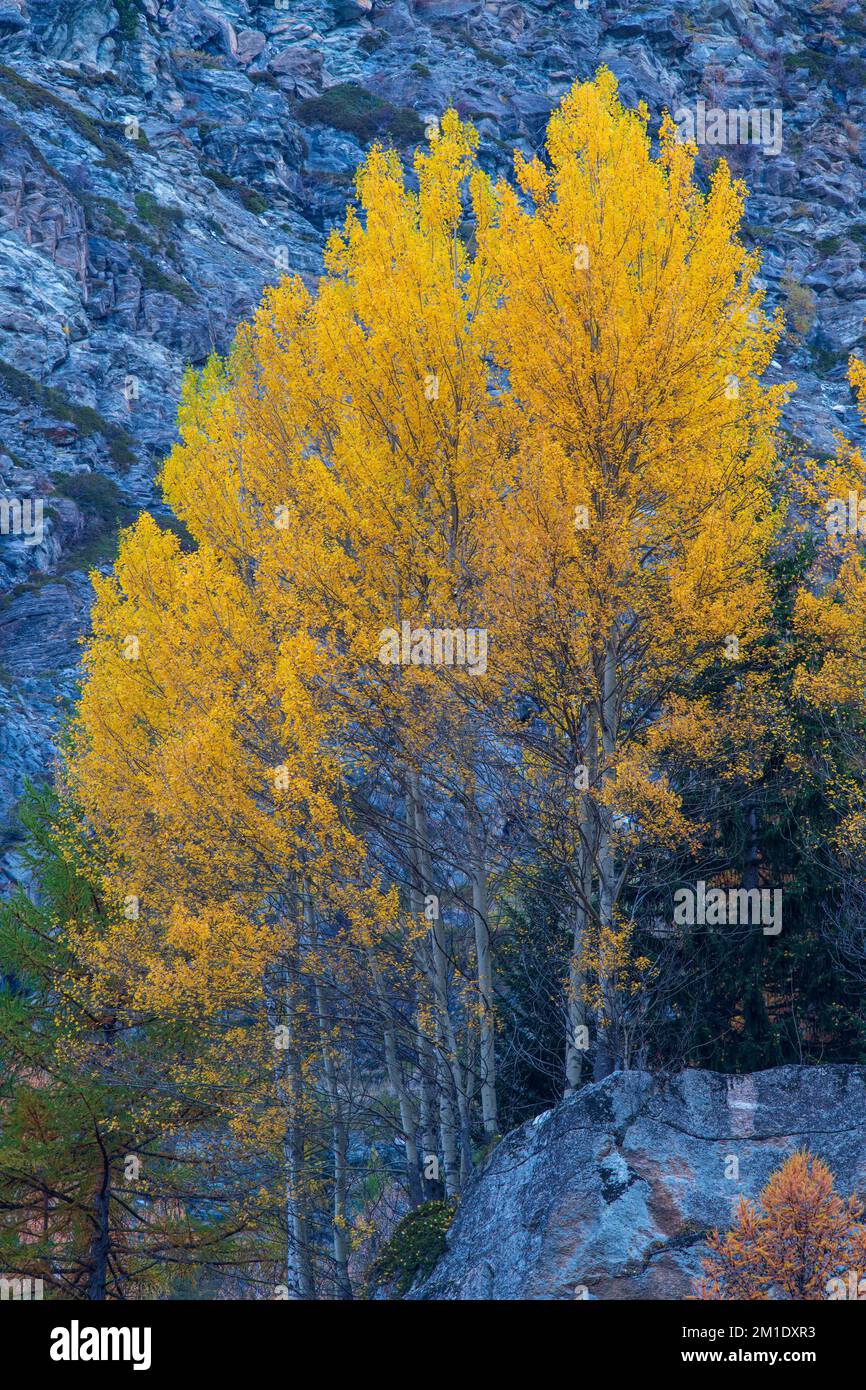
x,y
829,621
628,530
528,409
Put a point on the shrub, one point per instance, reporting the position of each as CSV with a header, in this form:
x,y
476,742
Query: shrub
x,y
97,496
352,108
127,13
217,177
414,1248
800,305
811,64
163,219
152,278
196,58
252,201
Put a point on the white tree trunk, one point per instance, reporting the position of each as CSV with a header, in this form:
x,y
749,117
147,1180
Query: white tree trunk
x,y
484,968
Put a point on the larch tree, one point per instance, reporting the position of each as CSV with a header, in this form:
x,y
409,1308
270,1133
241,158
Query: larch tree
x,y
799,1241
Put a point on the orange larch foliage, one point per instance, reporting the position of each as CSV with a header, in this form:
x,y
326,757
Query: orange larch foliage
x,y
797,1238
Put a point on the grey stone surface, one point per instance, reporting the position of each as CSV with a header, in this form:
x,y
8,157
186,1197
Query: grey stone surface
x,y
614,1191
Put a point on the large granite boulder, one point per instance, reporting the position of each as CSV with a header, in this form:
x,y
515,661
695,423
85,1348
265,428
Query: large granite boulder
x,y
612,1194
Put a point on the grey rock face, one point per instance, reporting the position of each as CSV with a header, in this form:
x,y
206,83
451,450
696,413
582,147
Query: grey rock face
x,y
160,163
612,1194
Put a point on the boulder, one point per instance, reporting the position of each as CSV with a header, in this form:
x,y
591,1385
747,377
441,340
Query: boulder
x,y
612,1194
349,11
250,44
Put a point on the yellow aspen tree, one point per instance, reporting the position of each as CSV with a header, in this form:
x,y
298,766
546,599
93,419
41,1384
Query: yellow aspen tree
x,y
627,532
210,788
357,422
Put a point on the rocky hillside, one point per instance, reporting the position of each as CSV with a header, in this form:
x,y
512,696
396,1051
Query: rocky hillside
x,y
612,1194
160,163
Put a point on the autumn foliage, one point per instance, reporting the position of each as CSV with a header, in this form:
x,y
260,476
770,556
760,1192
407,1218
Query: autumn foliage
x,y
379,888
792,1242
553,430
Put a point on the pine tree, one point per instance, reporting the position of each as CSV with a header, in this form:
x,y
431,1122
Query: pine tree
x,y
101,1190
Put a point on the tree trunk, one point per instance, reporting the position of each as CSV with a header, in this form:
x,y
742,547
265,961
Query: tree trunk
x,y
299,1284
576,1005
484,968
405,1099
606,1057
457,1158
339,1127
100,1246
429,1146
